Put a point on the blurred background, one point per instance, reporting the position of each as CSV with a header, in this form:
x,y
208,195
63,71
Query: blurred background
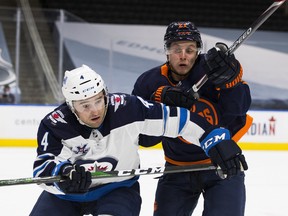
x,y
40,39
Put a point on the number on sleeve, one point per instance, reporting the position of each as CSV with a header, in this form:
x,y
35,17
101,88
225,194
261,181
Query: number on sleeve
x,y
44,141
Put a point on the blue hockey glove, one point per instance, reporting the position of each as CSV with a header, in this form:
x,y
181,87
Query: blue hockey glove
x,y
173,96
224,152
223,70
76,179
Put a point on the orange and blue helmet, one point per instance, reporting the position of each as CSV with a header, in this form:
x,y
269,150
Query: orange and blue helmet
x,y
182,30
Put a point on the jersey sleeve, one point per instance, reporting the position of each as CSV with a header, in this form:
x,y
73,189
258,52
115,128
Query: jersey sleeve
x,y
148,82
158,120
234,104
52,130
144,87
139,88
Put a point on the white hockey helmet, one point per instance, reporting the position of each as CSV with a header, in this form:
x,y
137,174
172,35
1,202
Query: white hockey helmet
x,y
82,83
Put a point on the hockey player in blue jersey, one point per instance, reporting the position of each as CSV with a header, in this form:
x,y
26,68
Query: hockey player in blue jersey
x,y
95,130
224,100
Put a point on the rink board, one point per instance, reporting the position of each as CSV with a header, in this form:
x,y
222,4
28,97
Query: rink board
x,y
19,125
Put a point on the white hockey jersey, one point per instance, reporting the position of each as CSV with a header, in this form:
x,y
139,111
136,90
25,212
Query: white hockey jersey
x,y
112,146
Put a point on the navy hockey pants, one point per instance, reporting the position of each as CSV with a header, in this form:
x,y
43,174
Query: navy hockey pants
x,y
178,194
120,202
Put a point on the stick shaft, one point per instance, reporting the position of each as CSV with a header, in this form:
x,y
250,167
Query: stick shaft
x,y
246,34
153,170
255,25
113,174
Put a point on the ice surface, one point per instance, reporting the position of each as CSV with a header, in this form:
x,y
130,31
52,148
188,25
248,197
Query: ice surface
x,y
266,182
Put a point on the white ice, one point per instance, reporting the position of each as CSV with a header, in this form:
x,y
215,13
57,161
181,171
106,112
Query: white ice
x,y
266,182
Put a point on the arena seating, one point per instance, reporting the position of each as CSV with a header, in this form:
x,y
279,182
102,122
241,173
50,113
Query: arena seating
x,y
206,13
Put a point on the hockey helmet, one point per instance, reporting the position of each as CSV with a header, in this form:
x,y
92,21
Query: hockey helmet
x,y
183,30
82,83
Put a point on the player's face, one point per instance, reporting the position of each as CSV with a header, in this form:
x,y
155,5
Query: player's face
x,y
91,111
182,56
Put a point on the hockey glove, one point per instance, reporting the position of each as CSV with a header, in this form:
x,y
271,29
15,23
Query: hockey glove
x,y
173,96
223,70
75,179
228,155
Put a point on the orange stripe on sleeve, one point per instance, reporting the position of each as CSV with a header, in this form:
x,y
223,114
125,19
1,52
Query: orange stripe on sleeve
x,y
244,129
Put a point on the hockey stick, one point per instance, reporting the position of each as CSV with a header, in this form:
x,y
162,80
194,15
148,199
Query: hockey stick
x,y
118,173
246,34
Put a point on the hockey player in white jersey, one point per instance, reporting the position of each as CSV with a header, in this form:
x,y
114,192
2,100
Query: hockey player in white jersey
x,y
95,130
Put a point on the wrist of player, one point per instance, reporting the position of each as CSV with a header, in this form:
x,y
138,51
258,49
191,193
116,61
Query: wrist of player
x,y
224,152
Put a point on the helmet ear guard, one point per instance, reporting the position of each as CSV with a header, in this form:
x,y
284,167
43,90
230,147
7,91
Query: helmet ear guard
x,y
182,30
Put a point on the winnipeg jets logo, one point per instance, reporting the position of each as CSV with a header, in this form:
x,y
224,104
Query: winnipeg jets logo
x,y
117,100
102,167
102,164
57,116
81,149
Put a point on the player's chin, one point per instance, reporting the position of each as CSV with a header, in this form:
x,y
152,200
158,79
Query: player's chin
x,y
95,122
182,71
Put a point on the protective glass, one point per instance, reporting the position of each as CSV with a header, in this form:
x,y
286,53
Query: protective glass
x,y
182,50
93,104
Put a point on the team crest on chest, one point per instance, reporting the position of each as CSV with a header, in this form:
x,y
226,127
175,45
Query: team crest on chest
x,y
81,149
101,164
